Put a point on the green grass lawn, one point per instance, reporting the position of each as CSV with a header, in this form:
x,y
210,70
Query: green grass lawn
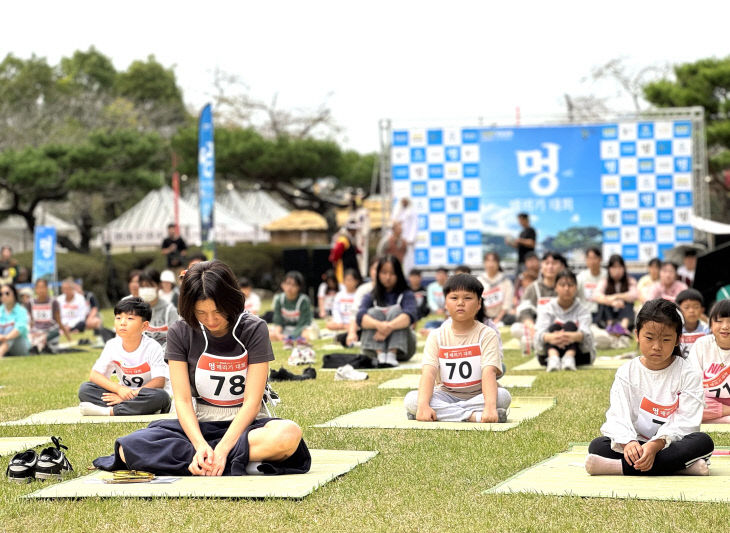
x,y
420,481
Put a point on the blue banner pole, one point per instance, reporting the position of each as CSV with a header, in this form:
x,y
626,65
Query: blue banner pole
x,y
206,183
44,254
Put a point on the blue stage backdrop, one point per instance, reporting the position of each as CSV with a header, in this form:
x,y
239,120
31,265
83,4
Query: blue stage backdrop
x,y
625,186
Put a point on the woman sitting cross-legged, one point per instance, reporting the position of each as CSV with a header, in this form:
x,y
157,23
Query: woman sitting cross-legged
x,y
219,362
386,315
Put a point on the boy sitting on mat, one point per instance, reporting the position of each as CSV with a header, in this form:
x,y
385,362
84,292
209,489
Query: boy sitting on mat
x,y
139,363
462,355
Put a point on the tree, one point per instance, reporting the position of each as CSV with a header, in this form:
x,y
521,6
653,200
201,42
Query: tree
x,y
704,83
613,86
111,170
82,131
574,238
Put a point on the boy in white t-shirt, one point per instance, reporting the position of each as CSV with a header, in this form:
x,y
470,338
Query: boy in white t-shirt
x,y
253,302
692,305
139,363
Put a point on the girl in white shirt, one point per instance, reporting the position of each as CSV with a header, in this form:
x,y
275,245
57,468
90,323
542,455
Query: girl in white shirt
x,y
711,355
652,425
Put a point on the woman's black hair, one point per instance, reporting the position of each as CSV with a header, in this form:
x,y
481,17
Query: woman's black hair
x,y
655,261
468,283
150,276
329,277
296,277
495,256
352,272
664,312
134,306
12,289
210,280
623,282
400,286
566,273
132,274
721,309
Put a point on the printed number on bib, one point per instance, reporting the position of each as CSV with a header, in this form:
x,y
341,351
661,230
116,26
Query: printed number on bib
x,y
134,377
588,289
718,383
460,366
221,380
42,313
543,302
652,416
493,296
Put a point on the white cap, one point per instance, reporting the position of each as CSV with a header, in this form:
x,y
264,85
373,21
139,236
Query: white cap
x,y
167,275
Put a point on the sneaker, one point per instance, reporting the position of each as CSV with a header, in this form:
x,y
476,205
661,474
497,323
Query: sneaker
x,y
288,343
52,463
621,331
307,354
296,357
553,364
22,467
569,363
381,358
501,415
348,373
91,409
390,360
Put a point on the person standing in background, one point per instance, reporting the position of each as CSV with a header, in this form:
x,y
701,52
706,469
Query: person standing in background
x,y
174,247
525,242
406,215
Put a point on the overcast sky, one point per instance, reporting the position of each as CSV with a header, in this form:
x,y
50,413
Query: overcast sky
x,y
424,61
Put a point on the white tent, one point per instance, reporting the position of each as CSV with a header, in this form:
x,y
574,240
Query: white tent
x,y
14,231
145,224
255,207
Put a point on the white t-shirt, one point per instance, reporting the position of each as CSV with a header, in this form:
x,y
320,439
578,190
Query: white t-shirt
x,y
133,369
461,357
253,303
587,285
343,308
74,311
651,404
323,291
714,364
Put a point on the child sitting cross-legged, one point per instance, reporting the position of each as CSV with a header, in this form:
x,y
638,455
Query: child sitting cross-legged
x,y
139,364
463,356
711,356
653,422
692,305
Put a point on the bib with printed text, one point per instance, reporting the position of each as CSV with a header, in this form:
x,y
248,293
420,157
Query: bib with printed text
x,y
715,380
460,366
133,376
652,416
493,296
221,380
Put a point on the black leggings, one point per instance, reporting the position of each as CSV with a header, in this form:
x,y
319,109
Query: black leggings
x,y
679,455
568,326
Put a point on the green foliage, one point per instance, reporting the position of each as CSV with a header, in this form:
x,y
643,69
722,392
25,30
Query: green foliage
x,y
246,157
705,83
574,238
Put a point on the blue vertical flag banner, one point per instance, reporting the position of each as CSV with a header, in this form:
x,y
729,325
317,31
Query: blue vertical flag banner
x,y
626,186
44,253
206,180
